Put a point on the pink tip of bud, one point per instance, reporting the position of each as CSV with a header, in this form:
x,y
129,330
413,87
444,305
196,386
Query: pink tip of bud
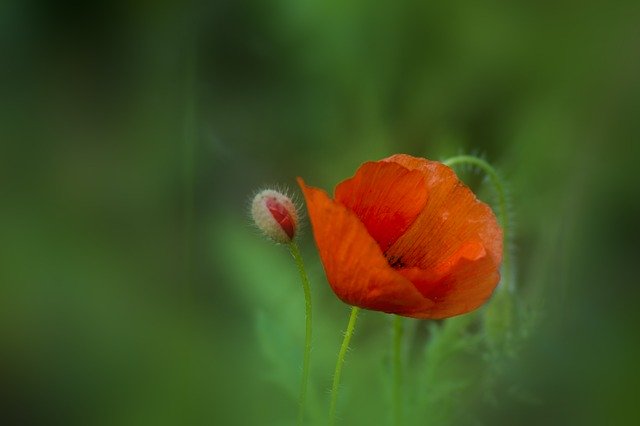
x,y
275,214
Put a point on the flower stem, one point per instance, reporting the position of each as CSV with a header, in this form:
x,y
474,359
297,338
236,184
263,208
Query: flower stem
x,y
398,332
340,362
503,206
295,252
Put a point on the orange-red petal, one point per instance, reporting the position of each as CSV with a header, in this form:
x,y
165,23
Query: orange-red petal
x,y
355,266
386,197
458,285
452,217
453,249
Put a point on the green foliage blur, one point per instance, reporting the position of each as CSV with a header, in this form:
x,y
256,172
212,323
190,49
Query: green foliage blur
x,y
134,290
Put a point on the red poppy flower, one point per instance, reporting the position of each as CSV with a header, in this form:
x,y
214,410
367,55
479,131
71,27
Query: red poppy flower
x,y
405,236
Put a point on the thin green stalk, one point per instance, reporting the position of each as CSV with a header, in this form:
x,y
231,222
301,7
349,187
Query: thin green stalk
x,y
340,362
295,252
503,205
398,332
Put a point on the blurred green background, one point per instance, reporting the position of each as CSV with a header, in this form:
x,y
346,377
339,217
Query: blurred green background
x,y
134,290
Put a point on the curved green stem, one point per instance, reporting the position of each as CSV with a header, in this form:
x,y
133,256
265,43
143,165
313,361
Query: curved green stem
x,y
295,252
398,332
503,214
343,351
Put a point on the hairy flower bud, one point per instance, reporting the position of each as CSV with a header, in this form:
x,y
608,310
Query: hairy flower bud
x,y
276,215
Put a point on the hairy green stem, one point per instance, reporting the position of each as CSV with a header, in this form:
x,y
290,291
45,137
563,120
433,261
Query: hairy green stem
x,y
398,332
503,214
340,362
295,252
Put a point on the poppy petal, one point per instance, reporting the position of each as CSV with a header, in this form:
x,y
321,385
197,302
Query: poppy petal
x,y
387,198
452,216
467,287
354,264
458,285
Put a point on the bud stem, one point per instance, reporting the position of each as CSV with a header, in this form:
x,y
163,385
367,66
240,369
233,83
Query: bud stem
x,y
295,252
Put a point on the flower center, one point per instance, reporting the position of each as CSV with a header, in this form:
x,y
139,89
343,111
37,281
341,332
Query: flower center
x,y
395,262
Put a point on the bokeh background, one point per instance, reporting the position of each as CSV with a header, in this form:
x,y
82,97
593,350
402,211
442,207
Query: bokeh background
x,y
134,290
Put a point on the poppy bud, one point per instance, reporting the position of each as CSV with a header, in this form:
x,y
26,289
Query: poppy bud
x,y
276,215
